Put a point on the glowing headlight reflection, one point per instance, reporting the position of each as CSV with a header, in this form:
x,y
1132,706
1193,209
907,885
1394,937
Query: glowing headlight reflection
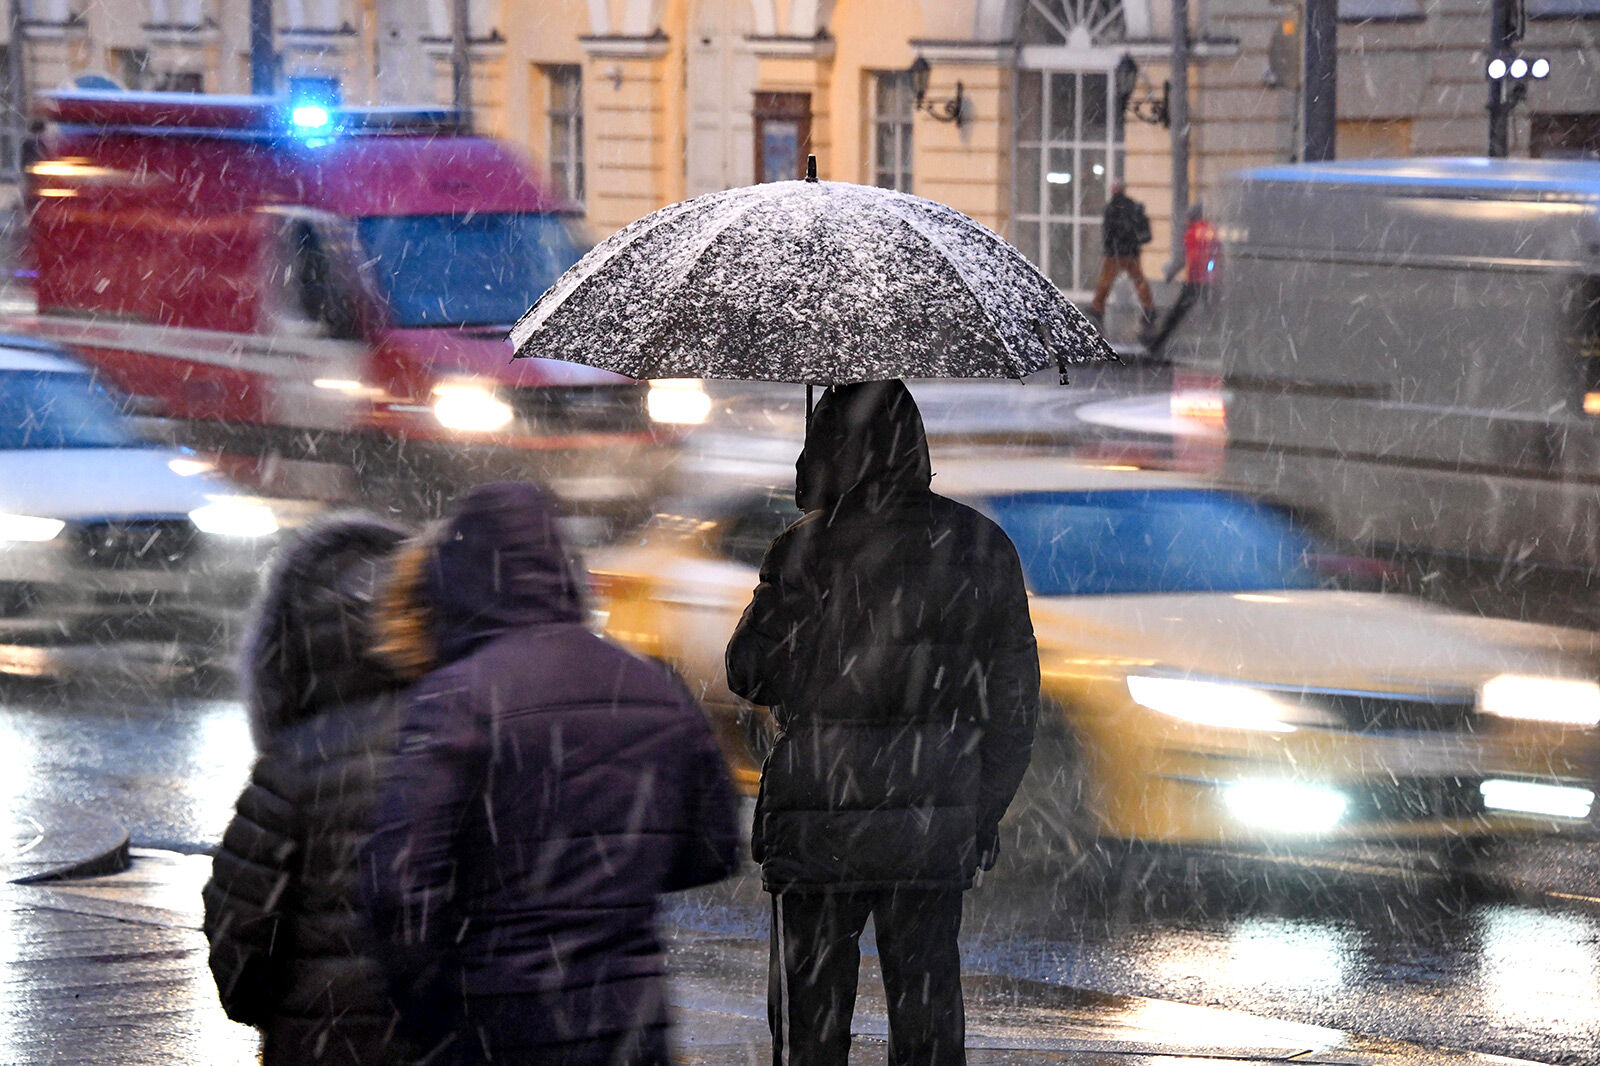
x,y
1531,797
189,467
1285,805
234,518
1541,699
26,529
1213,703
470,409
678,401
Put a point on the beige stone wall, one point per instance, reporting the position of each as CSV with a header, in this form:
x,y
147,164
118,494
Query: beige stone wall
x,y
1412,87
625,127
968,167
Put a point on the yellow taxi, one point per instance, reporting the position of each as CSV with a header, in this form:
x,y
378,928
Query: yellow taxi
x,y
1206,680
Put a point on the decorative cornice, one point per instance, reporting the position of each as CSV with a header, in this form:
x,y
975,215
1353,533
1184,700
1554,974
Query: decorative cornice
x,y
986,53
619,46
188,35
818,47
491,45
74,25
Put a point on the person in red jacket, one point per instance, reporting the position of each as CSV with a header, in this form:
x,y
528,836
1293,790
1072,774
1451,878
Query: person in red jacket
x,y
1201,251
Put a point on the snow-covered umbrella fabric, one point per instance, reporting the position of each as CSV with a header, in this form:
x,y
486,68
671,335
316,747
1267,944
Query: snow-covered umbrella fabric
x,y
815,282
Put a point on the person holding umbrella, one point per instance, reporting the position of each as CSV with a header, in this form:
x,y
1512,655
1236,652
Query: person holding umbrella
x,y
890,636
890,627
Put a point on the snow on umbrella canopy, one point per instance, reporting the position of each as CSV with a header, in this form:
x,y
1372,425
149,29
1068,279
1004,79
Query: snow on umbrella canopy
x,y
815,282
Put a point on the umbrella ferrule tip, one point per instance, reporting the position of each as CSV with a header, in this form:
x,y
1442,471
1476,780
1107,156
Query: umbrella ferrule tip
x,y
811,168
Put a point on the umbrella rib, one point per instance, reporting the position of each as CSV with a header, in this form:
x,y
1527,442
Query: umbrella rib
x,y
525,327
715,235
913,225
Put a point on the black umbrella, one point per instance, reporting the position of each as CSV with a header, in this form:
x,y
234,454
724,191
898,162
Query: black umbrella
x,y
820,282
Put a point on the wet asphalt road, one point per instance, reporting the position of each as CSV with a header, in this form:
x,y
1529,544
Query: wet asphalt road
x,y
1375,947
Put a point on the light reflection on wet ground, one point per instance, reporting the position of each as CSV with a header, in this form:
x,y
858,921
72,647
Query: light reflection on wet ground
x,y
1376,958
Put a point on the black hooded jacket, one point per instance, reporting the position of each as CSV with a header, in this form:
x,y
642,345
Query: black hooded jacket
x,y
890,636
290,947
549,786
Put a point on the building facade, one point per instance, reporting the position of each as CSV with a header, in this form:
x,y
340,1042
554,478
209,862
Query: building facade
x,y
633,104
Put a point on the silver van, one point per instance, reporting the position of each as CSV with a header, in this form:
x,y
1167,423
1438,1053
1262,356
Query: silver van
x,y
1412,348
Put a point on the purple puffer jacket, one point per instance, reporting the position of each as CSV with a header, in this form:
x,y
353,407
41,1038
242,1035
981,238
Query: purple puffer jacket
x,y
548,787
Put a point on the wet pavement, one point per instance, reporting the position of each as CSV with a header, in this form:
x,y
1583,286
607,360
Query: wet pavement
x,y
1366,943
112,970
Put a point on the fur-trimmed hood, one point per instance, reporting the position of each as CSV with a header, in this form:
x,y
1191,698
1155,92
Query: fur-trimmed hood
x,y
496,564
311,638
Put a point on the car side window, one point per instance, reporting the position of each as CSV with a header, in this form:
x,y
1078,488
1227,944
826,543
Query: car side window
x,y
754,525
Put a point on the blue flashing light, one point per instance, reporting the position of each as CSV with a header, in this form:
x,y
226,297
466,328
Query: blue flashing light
x,y
311,118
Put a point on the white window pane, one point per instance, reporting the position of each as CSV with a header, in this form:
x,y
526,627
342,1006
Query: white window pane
x,y
1060,182
1063,106
1030,86
1027,181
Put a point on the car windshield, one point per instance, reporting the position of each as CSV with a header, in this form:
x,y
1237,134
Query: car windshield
x,y
466,270
55,409
1152,540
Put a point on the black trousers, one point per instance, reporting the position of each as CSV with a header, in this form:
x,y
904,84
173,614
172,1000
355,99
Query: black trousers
x,y
811,980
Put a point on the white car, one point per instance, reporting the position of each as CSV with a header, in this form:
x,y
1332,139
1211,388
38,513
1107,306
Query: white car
x,y
1206,681
110,545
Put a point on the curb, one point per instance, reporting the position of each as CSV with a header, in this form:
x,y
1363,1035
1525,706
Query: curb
x,y
56,842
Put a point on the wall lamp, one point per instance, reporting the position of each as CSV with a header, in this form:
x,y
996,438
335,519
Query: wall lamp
x,y
1149,107
943,110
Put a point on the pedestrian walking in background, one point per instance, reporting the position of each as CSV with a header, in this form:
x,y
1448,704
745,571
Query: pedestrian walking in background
x,y
889,634
291,948
1124,231
548,788
1201,250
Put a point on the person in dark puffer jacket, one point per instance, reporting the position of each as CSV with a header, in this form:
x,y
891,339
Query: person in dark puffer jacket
x,y
890,636
549,786
291,948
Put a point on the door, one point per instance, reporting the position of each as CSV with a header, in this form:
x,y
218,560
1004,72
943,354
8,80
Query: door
x,y
782,135
721,81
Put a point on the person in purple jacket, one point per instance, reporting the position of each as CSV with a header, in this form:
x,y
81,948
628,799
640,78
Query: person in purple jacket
x,y
547,788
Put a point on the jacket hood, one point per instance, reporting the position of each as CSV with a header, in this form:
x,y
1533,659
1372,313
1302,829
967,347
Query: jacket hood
x,y
310,642
864,437
498,564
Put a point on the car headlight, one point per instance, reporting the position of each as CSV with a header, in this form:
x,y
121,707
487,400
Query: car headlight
x,y
1286,805
1541,699
26,529
678,401
470,408
1223,704
234,518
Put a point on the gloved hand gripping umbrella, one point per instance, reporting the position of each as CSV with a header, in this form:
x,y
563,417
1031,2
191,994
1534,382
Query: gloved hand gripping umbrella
x,y
813,282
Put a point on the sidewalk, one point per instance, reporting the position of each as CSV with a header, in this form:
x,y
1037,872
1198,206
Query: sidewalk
x,y
111,970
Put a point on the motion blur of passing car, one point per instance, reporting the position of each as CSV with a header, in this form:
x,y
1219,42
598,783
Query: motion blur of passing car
x,y
328,289
1206,680
111,546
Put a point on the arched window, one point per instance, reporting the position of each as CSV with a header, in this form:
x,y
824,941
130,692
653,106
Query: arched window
x,y
1069,136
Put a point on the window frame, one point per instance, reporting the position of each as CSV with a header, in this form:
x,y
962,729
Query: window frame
x,y
1078,224
773,107
901,124
564,122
